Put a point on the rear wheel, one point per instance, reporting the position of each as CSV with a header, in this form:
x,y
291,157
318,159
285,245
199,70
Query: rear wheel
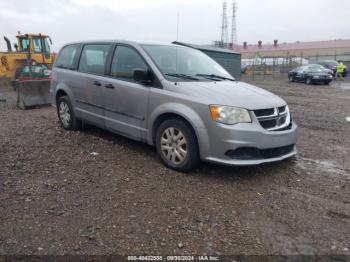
x,y
308,81
66,114
177,145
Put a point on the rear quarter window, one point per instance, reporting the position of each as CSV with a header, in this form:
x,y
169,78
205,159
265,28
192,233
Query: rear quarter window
x,y
68,57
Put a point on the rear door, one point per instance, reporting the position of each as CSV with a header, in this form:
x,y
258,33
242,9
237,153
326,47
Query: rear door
x,y
89,82
126,100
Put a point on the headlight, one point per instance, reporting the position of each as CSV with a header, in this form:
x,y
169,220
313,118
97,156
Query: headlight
x,y
229,115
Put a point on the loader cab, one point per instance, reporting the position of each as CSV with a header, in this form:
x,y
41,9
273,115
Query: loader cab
x,y
34,44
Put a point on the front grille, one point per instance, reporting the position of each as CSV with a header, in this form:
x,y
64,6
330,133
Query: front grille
x,y
264,112
253,153
267,124
274,119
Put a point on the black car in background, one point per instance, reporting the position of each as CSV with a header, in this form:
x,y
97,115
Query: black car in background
x,y
310,75
326,70
332,64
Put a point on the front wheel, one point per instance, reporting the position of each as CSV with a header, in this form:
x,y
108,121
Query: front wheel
x,y
66,114
177,146
291,79
308,81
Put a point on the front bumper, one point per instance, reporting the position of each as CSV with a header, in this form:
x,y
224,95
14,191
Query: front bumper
x,y
321,80
225,139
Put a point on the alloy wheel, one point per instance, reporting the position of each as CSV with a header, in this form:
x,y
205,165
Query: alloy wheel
x,y
174,145
64,113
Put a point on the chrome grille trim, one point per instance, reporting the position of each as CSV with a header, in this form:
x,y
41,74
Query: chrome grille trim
x,y
281,117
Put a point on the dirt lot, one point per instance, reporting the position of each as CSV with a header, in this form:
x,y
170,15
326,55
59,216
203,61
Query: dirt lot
x,y
58,198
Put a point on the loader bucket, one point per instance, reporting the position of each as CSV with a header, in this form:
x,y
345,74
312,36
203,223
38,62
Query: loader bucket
x,y
33,93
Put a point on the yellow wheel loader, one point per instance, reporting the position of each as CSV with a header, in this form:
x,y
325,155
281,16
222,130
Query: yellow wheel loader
x,y
30,49
29,55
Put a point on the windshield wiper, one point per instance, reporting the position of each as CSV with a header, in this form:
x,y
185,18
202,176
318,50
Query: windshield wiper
x,y
183,76
213,76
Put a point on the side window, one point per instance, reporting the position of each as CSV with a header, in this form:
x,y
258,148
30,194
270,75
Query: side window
x,y
46,45
25,44
93,59
37,45
67,58
124,62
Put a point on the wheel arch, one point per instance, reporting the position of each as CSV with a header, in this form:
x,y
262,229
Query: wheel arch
x,y
63,90
184,113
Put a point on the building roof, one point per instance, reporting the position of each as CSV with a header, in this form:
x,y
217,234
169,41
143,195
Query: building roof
x,y
206,48
340,43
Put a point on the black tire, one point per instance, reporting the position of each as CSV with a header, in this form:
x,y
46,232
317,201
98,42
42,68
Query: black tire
x,y
73,123
192,159
291,79
308,81
327,83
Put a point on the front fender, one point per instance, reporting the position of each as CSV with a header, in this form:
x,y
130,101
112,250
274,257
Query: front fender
x,y
187,113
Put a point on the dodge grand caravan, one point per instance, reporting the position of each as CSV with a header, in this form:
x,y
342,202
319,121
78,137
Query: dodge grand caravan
x,y
173,97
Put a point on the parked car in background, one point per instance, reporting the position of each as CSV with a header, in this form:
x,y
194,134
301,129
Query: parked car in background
x,y
173,97
332,65
309,75
326,70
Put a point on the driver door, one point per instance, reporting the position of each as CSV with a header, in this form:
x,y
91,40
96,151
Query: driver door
x,y
126,100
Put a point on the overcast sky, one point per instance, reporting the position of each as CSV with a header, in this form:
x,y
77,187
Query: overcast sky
x,y
156,20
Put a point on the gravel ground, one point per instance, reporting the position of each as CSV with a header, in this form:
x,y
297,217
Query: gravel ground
x,y
56,197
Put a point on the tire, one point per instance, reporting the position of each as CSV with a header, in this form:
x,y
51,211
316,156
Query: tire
x,y
308,81
66,115
291,79
327,83
177,145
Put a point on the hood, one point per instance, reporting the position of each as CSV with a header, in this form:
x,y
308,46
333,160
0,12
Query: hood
x,y
229,93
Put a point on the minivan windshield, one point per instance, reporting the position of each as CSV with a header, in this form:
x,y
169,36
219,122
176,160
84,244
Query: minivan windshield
x,y
187,64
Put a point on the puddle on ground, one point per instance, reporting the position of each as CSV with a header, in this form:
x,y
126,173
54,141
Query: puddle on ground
x,y
322,165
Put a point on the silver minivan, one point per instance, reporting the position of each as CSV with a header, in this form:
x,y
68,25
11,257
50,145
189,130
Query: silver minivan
x,y
173,97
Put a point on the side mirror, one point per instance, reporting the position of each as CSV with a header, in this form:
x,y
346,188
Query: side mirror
x,y
142,76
